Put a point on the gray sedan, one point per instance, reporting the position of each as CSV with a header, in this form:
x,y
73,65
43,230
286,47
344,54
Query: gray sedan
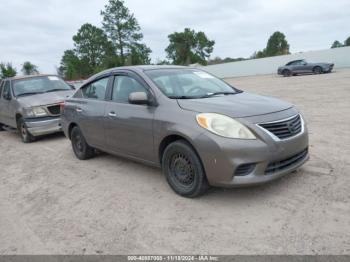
x,y
199,129
303,67
32,104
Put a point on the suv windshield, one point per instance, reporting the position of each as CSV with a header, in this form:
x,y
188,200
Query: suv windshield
x,y
38,85
188,83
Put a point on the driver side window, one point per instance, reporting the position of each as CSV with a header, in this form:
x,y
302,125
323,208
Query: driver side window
x,y
123,86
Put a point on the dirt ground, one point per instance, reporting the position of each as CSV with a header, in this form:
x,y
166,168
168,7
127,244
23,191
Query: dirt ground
x,y
51,203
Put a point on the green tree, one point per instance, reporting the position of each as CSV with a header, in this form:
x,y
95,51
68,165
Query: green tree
x,y
219,60
139,54
7,70
29,69
124,31
347,42
91,45
277,45
189,47
162,62
92,52
336,44
73,68
261,54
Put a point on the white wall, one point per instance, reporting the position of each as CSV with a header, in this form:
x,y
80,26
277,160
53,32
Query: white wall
x,y
339,56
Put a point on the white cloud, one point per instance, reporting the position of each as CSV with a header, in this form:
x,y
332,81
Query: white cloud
x,y
39,30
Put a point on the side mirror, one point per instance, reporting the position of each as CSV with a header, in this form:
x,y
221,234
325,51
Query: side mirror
x,y
72,86
138,98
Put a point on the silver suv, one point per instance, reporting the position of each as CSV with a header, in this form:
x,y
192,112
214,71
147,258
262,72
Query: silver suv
x,y
32,104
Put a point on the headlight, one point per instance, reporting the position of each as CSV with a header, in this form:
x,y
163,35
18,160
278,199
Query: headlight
x,y
224,126
35,111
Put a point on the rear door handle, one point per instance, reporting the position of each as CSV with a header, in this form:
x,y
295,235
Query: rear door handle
x,y
112,114
79,110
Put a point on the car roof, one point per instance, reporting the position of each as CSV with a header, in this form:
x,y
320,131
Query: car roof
x,y
30,76
295,61
137,68
143,68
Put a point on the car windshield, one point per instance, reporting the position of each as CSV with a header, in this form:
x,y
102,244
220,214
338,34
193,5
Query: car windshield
x,y
38,85
189,83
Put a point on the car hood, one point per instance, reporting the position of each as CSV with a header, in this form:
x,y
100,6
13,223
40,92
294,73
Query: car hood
x,y
44,99
239,105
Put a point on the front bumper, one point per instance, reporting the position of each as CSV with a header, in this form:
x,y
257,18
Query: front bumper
x,y
329,69
222,157
43,126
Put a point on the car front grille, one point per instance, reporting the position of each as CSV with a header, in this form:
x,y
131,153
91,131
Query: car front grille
x,y
285,128
54,110
288,162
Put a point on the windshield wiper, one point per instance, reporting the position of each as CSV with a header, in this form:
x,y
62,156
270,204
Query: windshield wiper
x,y
204,96
218,93
29,94
183,97
55,90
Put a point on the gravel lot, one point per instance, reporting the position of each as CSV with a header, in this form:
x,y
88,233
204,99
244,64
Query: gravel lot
x,y
51,203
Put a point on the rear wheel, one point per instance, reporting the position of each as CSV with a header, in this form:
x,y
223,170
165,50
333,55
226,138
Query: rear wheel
x,y
80,147
1,127
286,73
317,70
183,170
26,136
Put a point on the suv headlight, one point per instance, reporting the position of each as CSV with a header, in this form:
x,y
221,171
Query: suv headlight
x,y
35,111
224,126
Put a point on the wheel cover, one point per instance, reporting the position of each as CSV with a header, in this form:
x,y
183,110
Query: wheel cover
x,y
182,170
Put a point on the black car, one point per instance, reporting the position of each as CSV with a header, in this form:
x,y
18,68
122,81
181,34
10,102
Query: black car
x,y
303,67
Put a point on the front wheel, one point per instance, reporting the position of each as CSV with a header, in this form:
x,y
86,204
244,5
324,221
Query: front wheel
x,y
183,170
317,70
2,127
286,73
26,136
80,147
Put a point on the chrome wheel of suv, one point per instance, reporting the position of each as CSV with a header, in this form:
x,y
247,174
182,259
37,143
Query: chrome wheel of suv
x,y
23,131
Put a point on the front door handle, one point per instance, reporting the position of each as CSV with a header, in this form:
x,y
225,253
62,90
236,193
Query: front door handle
x,y
112,114
79,110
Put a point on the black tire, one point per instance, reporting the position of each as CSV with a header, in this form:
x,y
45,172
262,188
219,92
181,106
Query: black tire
x,y
286,73
1,127
317,70
183,170
81,149
26,136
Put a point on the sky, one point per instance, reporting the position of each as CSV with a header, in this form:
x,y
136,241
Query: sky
x,y
40,30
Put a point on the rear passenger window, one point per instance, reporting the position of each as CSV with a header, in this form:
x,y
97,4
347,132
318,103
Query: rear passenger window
x,y
6,90
1,82
96,90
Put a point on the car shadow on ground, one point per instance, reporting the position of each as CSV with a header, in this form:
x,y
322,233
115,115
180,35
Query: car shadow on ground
x,y
214,193
256,190
54,136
